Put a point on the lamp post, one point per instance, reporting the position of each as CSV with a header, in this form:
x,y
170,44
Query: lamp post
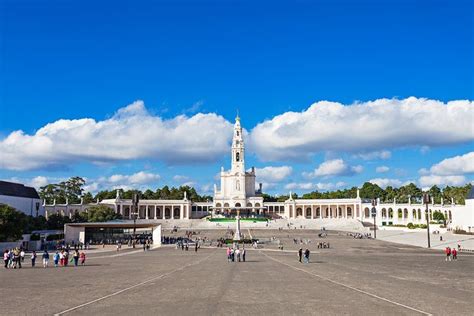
x,y
374,214
135,200
427,201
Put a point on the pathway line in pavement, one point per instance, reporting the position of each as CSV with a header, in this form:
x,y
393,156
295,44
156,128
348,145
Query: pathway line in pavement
x,y
161,276
348,286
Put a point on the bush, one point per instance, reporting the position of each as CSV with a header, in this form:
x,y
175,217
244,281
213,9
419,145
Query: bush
x,y
410,226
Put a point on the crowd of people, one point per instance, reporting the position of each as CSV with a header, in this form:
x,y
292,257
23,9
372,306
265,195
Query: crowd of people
x,y
360,235
14,258
235,254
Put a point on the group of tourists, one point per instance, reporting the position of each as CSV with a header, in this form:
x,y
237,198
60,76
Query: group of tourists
x,y
323,245
13,258
360,235
451,254
234,254
303,256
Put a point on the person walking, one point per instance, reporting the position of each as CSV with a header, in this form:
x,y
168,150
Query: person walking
x,y
237,251
45,258
454,254
447,251
228,254
22,255
6,258
243,254
82,258
56,259
75,256
306,255
33,259
196,246
300,254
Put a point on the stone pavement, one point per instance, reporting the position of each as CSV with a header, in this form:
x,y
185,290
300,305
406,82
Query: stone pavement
x,y
357,277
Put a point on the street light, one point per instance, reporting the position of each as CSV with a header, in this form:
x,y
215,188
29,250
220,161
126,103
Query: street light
x,y
135,200
427,201
374,214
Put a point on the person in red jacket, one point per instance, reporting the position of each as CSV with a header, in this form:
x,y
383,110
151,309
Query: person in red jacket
x,y
454,254
447,251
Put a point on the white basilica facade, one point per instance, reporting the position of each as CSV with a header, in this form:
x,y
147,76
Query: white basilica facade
x,y
238,193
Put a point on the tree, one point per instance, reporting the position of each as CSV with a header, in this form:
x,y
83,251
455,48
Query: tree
x,y
57,221
12,223
439,217
70,190
371,191
101,213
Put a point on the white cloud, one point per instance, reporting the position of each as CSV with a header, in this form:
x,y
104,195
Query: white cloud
x,y
180,178
382,154
450,171
430,180
334,167
363,127
385,182
38,182
273,174
322,186
138,180
457,165
300,186
132,133
382,169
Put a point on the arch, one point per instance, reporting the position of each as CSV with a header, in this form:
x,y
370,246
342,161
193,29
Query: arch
x,y
405,213
218,205
167,213
390,213
249,204
308,212
414,213
449,214
238,205
299,212
237,157
419,214
349,212
339,212
399,213
318,212
176,213
384,213
367,212
126,212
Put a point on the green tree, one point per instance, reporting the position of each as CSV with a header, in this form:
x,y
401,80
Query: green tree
x,y
371,191
57,221
12,223
101,213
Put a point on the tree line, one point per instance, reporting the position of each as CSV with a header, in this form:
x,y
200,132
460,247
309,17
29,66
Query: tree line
x,y
72,190
14,223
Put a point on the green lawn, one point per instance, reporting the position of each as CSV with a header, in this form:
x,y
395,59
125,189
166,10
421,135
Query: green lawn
x,y
231,220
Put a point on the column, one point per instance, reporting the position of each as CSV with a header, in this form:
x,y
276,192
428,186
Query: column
x,y
181,215
156,208
172,212
146,211
345,210
320,212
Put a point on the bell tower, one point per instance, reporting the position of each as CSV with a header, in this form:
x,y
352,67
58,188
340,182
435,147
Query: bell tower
x,y
238,149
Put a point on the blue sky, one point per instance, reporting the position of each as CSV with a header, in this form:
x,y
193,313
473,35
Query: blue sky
x,y
69,60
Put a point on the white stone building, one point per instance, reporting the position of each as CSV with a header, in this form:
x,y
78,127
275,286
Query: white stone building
x,y
237,192
21,197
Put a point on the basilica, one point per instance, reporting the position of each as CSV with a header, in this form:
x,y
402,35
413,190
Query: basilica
x,y
238,193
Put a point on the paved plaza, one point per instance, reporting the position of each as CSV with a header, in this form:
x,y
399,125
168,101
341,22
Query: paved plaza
x,y
357,277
